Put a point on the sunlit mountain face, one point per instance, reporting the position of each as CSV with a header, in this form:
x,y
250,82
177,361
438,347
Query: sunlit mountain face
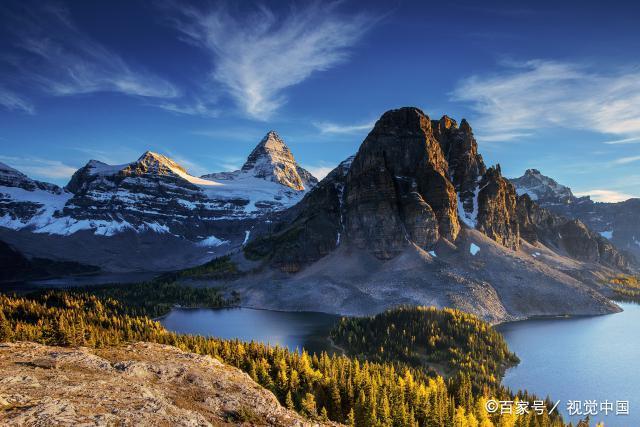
x,y
319,213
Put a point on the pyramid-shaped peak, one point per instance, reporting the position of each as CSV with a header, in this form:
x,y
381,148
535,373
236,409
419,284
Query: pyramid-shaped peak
x,y
155,163
272,143
153,156
272,150
272,160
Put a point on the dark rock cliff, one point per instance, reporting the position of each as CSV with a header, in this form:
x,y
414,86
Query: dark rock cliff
x,y
398,189
413,181
617,222
538,224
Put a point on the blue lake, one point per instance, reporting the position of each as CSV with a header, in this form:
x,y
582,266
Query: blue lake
x,y
293,330
579,358
583,358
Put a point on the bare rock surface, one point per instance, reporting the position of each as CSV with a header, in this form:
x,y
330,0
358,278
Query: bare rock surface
x,y
476,274
140,384
616,222
417,218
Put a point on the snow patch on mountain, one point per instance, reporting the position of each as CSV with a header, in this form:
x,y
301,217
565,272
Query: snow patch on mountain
x,y
154,194
474,249
470,218
212,241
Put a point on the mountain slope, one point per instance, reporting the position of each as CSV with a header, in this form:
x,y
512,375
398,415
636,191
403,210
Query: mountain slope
x,y
543,190
152,201
416,217
616,222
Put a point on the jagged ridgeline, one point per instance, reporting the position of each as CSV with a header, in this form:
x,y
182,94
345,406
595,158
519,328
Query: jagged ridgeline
x,y
321,387
414,181
144,207
416,217
615,222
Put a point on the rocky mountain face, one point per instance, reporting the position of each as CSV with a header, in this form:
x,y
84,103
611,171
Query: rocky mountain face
x,y
616,222
24,200
152,196
416,217
538,224
272,160
140,384
544,190
414,181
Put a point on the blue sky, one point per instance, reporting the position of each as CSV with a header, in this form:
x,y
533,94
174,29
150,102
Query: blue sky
x,y
544,85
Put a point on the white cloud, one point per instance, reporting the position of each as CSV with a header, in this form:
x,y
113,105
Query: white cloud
x,y
327,127
320,170
195,108
600,195
39,167
257,55
632,140
12,101
626,160
60,60
525,97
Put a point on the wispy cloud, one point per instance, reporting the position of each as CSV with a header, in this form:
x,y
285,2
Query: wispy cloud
x,y
328,127
632,140
55,57
192,108
626,160
610,196
12,101
39,167
525,97
257,54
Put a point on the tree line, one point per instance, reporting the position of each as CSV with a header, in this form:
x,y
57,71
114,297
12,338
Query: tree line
x,y
461,345
339,388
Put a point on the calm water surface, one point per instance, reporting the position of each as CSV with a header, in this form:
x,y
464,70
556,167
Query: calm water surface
x,y
567,359
293,330
579,359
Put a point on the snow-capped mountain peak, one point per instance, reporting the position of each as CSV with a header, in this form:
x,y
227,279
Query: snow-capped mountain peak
x,y
154,163
155,193
10,177
542,188
272,160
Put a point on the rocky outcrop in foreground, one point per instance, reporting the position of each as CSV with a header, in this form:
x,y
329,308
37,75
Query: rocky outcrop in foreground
x,y
141,384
